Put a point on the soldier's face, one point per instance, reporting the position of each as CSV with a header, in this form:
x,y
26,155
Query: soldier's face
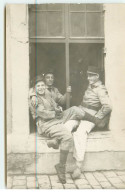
x,y
49,79
40,87
92,78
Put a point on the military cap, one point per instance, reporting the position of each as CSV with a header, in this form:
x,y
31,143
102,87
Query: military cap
x,y
93,70
37,79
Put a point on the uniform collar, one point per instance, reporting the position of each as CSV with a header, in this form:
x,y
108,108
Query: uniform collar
x,y
50,88
96,84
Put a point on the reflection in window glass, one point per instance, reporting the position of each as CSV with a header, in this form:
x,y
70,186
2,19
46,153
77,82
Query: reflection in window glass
x,y
77,24
55,24
39,27
93,24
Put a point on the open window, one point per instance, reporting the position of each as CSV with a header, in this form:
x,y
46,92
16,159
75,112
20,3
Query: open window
x,y
67,38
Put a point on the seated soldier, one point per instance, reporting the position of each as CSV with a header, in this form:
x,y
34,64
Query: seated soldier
x,y
97,107
50,122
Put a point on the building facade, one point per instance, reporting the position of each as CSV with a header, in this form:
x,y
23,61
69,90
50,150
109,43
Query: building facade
x,y
72,37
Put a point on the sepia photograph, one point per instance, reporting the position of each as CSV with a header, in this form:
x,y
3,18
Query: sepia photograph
x,y
65,92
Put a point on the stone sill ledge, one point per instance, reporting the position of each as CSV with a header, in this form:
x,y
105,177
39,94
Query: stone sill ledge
x,y
97,141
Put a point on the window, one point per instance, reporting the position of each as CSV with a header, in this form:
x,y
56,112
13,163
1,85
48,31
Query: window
x,y
86,20
46,20
78,27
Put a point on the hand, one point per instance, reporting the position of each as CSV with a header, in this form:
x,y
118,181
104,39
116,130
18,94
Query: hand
x,y
33,101
91,118
69,89
59,112
100,123
59,115
39,123
58,109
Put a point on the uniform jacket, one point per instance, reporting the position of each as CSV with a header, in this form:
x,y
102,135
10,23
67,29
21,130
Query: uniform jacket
x,y
44,111
97,96
52,92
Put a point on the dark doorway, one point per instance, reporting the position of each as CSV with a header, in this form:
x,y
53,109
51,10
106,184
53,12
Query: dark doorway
x,y
44,56
82,55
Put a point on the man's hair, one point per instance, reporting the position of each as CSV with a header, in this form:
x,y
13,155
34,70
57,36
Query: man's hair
x,y
50,71
37,79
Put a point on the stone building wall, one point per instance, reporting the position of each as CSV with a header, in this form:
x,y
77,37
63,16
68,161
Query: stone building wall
x,y
18,68
115,62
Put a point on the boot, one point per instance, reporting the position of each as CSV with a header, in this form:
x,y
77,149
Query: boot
x,y
61,172
53,144
76,173
60,167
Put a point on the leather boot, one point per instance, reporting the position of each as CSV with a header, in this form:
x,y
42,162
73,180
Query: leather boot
x,y
53,144
61,172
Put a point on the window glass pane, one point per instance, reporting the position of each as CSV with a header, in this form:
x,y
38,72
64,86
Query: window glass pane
x,y
38,7
93,7
38,26
55,23
93,24
55,7
77,7
77,21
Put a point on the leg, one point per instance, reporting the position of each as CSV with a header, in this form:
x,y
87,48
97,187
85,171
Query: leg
x,y
71,125
80,139
61,133
73,113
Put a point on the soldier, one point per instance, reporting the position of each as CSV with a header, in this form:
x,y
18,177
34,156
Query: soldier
x,y
97,107
49,123
52,91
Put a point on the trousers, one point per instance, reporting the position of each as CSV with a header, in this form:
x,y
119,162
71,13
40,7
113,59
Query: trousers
x,y
80,135
61,133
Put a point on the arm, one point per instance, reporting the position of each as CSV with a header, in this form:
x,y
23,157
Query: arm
x,y
101,118
105,102
45,114
32,96
32,92
39,111
61,99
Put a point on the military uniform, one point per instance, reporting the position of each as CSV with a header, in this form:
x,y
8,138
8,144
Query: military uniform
x,y
95,102
96,98
52,92
44,111
47,124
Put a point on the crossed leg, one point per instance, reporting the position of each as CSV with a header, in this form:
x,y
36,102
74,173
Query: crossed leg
x,y
79,136
80,140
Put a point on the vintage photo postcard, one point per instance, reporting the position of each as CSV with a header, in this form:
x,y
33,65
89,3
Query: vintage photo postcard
x,y
65,96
